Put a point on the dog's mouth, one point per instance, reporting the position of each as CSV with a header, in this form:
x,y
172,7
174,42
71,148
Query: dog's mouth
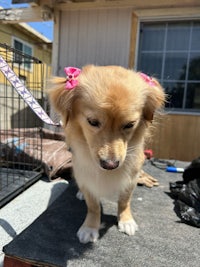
x,y
109,164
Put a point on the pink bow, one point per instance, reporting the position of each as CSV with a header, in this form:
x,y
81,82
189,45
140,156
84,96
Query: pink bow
x,y
148,79
72,74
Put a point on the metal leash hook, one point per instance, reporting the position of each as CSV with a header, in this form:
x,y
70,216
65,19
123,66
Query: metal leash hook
x,y
25,93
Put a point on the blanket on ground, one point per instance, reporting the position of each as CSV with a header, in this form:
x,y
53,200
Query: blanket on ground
x,y
34,146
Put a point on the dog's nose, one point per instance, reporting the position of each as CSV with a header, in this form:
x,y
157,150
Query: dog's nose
x,y
109,164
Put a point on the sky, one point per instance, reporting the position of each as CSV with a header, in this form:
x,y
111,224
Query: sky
x,y
45,28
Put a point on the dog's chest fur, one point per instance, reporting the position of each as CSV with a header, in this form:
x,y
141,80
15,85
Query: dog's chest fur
x,y
101,183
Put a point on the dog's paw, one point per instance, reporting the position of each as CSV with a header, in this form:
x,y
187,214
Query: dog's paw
x,y
147,180
87,234
128,227
80,195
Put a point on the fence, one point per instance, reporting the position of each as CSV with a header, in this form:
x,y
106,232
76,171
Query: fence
x,y
20,129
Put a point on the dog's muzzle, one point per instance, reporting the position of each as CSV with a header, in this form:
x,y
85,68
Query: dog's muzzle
x,y
109,164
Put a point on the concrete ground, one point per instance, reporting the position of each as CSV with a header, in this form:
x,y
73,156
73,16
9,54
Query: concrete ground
x,y
161,241
25,208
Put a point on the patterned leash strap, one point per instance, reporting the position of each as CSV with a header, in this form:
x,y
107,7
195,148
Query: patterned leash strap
x,y
24,93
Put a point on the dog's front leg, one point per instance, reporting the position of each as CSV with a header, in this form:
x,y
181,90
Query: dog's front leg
x,y
89,231
126,223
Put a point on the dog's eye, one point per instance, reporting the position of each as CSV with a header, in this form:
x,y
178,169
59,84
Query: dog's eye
x,y
128,125
94,122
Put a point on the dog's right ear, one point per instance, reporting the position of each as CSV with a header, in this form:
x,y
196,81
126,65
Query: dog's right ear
x,y
60,98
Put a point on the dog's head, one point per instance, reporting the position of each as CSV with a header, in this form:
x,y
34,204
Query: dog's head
x,y
108,110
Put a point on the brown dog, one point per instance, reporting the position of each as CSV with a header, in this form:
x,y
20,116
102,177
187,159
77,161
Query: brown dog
x,y
106,118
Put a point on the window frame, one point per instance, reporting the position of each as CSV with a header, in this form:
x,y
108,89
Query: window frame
x,y
186,80
24,43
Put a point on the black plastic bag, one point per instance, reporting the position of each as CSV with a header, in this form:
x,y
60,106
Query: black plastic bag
x,y
187,214
187,194
192,171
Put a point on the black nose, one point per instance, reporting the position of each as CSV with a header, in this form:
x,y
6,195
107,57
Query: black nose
x,y
109,164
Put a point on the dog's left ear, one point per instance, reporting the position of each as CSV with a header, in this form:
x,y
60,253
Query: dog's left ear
x,y
155,99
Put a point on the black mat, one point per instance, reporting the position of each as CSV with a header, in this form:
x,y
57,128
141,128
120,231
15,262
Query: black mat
x,y
162,240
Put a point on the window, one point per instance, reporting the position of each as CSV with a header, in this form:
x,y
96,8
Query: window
x,y
24,48
170,51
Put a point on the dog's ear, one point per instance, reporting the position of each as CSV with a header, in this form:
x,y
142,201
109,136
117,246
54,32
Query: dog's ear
x,y
155,99
60,98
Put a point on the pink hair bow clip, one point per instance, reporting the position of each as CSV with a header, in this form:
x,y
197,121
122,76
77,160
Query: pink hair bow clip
x,y
72,74
148,79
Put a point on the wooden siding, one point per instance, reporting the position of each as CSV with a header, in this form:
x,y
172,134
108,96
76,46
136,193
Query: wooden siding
x,y
99,37
176,136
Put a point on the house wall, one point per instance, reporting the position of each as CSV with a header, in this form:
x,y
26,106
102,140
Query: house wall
x,y
99,37
176,136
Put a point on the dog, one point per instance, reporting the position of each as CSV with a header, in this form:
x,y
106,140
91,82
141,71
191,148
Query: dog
x,y
106,112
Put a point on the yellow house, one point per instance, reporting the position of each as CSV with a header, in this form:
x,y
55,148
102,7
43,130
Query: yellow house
x,y
29,54
28,41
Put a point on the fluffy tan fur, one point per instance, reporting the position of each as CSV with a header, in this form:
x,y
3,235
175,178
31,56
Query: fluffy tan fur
x,y
106,118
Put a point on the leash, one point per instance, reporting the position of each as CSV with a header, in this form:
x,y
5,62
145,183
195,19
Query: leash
x,y
25,93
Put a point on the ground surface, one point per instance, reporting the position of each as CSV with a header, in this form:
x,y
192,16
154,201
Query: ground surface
x,y
161,241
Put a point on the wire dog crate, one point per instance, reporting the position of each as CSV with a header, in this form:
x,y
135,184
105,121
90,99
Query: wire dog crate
x,y
20,138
